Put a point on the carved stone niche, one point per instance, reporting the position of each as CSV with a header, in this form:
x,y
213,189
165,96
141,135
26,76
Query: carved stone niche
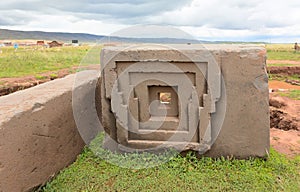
x,y
155,97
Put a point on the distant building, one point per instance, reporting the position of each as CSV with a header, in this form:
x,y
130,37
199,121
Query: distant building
x,y
41,43
75,43
55,44
7,43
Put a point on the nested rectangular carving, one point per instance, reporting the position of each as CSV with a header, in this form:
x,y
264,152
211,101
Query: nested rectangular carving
x,y
163,101
166,120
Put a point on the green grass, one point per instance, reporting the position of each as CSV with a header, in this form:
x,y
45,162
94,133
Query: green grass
x,y
30,61
40,77
91,173
282,52
280,77
53,75
293,94
282,65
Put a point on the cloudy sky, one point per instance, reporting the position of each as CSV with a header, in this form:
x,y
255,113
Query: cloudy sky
x,y
251,20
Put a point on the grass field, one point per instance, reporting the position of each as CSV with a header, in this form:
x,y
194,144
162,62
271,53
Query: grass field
x,y
91,173
282,65
280,77
293,94
282,52
32,61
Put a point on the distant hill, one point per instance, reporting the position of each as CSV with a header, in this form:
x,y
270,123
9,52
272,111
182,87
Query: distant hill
x,y
6,34
39,35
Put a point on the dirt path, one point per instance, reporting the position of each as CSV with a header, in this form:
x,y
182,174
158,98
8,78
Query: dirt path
x,y
276,85
283,62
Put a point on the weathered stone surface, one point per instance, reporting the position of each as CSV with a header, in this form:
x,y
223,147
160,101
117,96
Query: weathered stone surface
x,y
38,134
222,95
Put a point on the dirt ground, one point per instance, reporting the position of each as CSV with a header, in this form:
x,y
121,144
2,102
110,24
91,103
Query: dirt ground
x,y
284,120
284,112
283,61
10,85
280,85
294,69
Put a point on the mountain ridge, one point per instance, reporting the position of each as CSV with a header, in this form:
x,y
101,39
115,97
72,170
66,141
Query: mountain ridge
x,y
7,34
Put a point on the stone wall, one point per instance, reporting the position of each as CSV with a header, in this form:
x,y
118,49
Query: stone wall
x,y
38,133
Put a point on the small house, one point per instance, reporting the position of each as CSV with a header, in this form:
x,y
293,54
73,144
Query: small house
x,y
55,44
41,43
75,43
7,43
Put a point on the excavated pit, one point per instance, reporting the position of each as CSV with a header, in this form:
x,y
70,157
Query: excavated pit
x,y
279,118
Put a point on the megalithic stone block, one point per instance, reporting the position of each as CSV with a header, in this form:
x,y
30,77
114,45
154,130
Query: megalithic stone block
x,y
209,98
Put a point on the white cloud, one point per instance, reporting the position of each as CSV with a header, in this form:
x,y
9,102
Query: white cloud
x,y
213,19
